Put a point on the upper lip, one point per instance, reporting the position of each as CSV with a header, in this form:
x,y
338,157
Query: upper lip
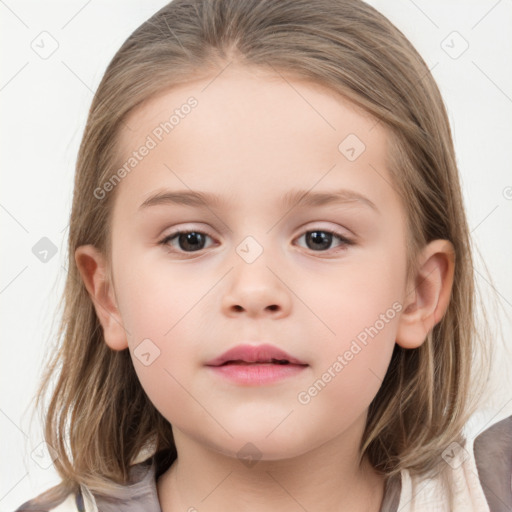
x,y
255,354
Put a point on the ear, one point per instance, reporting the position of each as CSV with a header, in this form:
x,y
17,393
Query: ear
x,y
93,269
428,294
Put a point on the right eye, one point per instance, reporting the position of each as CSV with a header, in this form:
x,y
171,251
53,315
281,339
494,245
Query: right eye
x,y
187,241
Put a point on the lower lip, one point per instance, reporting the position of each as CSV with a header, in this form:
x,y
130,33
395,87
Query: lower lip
x,y
257,374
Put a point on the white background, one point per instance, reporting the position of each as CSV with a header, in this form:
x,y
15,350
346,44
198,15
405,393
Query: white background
x,y
44,106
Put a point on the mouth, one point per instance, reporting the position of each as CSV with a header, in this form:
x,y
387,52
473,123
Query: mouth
x,y
248,354
263,371
271,361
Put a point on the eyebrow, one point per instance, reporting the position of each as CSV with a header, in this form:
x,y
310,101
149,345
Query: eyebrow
x,y
292,199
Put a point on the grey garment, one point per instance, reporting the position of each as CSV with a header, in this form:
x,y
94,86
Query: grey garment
x,y
493,456
142,495
392,491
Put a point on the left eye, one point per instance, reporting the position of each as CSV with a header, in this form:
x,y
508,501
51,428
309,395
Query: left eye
x,y
322,239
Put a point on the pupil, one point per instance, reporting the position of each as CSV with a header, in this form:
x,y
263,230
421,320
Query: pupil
x,y
319,237
189,240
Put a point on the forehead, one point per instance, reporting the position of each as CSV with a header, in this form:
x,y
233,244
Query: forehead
x,y
246,132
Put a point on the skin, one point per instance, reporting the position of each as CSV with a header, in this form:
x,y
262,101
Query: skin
x,y
251,138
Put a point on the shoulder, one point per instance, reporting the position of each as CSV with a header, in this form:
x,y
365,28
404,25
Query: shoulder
x,y
140,494
474,477
493,455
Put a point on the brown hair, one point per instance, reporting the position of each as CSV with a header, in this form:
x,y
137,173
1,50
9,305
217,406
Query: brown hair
x,y
349,47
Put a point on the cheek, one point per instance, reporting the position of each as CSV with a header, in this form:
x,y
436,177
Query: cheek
x,y
164,350
156,301
351,366
158,310
360,307
360,293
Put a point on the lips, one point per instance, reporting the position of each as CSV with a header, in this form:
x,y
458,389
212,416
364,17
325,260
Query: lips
x,y
255,354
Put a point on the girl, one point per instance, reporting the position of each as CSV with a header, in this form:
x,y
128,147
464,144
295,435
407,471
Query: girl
x,y
270,299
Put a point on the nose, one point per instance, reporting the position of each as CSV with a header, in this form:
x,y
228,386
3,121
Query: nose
x,y
255,290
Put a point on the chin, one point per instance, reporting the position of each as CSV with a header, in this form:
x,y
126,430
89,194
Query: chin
x,y
258,447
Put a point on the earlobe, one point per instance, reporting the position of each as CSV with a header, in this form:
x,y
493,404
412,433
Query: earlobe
x,y
428,295
92,266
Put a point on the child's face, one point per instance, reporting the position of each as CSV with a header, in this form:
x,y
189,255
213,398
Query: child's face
x,y
250,141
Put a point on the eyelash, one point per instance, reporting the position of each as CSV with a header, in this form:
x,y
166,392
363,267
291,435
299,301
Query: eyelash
x,y
165,241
